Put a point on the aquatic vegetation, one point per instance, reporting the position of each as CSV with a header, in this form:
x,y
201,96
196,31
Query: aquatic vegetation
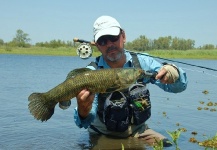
x,y
122,146
182,129
192,140
158,145
194,133
201,102
205,92
210,104
199,108
164,114
210,142
212,109
175,136
206,108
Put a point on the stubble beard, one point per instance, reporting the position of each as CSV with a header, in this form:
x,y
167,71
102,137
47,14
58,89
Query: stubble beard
x,y
114,57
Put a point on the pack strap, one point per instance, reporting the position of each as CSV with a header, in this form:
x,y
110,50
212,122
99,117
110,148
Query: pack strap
x,y
136,64
93,64
135,60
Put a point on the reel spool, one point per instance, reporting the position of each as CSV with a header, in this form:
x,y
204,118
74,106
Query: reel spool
x,y
84,51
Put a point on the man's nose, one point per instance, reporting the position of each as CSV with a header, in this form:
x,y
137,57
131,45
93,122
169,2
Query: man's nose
x,y
109,43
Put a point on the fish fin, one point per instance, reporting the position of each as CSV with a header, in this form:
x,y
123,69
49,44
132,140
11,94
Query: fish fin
x,y
116,88
39,107
65,104
109,90
112,89
75,72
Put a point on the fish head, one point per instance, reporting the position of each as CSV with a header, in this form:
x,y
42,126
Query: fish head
x,y
129,76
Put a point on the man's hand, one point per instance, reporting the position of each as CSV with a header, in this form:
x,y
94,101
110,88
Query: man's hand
x,y
84,101
168,74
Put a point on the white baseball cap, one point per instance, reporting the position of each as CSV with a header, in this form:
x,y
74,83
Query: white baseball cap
x,y
105,25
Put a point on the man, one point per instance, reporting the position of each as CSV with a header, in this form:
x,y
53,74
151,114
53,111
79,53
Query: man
x,y
92,112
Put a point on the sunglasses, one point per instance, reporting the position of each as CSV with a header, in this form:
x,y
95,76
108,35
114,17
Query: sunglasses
x,y
102,41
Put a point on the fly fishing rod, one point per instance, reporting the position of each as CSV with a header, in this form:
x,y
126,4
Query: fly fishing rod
x,y
84,51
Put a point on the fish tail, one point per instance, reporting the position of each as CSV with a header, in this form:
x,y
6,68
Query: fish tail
x,y
39,107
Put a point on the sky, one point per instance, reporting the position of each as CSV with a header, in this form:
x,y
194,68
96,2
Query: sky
x,y
46,20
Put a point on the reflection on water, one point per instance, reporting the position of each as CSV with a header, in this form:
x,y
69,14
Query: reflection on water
x,y
22,75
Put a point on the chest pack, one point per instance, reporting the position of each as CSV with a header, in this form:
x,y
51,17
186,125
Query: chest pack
x,y
119,109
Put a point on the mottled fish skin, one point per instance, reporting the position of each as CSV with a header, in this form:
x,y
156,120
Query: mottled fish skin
x,y
41,105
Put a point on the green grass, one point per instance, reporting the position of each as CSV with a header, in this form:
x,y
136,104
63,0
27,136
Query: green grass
x,y
185,54
63,51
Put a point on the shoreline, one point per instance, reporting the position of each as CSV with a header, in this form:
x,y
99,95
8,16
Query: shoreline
x,y
63,51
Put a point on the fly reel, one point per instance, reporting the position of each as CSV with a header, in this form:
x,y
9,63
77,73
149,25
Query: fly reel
x,y
84,51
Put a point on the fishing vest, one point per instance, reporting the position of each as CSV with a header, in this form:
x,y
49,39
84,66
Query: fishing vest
x,y
119,109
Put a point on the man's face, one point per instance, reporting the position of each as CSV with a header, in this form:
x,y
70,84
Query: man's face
x,y
111,47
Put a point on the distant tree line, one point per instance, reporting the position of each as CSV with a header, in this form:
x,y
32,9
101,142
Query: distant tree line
x,y
55,44
162,43
142,43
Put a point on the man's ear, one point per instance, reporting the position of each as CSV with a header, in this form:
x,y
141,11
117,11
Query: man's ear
x,y
97,46
123,35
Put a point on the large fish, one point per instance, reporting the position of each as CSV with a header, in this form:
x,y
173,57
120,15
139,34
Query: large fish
x,y
41,105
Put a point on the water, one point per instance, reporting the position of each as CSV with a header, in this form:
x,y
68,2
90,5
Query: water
x,y
22,75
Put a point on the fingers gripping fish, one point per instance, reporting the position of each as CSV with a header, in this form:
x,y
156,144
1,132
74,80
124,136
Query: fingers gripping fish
x,y
41,105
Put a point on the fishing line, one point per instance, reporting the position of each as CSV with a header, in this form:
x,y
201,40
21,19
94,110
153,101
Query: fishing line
x,y
200,72
208,68
203,72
